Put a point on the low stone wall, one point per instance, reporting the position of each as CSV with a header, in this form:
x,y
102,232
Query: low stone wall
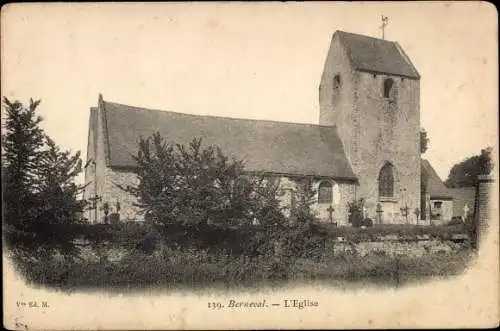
x,y
393,246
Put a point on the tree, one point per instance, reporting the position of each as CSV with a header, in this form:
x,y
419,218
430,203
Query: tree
x,y
465,173
424,141
61,211
41,210
197,184
23,140
304,199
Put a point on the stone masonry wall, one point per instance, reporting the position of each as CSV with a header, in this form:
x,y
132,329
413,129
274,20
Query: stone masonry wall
x,y
483,205
375,131
113,193
101,179
95,175
393,247
90,176
343,192
336,105
388,133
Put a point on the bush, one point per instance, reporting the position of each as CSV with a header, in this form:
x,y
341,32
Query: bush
x,y
456,220
368,222
129,235
356,212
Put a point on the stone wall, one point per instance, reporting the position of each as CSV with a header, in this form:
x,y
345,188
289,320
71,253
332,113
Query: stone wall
x,y
340,214
343,192
113,193
483,205
336,105
90,169
95,174
110,192
388,132
393,247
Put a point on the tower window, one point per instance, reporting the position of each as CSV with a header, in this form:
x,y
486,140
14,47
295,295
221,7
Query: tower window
x,y
388,87
325,192
386,181
336,82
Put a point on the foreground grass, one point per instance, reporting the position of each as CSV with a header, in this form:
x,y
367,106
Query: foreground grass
x,y
196,270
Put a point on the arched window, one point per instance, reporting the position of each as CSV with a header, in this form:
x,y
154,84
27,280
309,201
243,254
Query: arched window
x,y
325,192
388,87
336,82
386,181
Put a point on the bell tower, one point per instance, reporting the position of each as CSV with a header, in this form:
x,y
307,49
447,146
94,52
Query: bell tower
x,y
370,91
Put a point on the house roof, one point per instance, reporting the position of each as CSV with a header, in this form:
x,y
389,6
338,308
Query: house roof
x,y
435,186
264,146
377,55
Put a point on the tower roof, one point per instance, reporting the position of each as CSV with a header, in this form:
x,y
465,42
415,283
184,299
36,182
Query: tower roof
x,y
377,55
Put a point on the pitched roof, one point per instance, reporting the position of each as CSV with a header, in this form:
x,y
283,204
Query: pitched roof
x,y
435,186
265,146
377,55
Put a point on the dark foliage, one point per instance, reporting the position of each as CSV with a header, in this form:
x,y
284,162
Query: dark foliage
x,y
355,209
424,141
464,174
368,222
41,210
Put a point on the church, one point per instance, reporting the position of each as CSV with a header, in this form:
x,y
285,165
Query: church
x,y
365,145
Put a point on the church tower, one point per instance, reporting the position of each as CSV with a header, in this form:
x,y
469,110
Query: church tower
x,y
370,91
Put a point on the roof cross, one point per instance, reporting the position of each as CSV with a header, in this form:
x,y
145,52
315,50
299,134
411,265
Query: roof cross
x,y
385,21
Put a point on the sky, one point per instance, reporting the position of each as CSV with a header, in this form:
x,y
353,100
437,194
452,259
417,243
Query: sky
x,y
246,60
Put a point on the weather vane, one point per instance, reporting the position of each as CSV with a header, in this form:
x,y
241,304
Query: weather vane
x,y
385,21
